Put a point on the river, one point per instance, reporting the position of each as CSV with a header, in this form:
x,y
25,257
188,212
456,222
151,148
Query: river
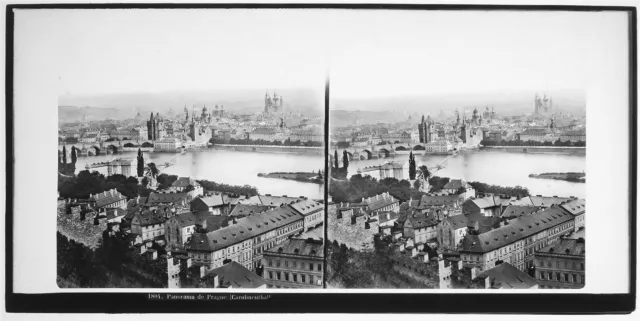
x,y
233,167
503,168
487,166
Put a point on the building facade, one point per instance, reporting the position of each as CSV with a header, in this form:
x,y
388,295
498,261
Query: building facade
x,y
561,265
295,263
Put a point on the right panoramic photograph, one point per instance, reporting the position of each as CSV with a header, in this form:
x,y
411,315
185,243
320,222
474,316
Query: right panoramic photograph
x,y
458,151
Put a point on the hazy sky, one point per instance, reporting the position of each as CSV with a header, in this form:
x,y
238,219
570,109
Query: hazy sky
x,y
369,53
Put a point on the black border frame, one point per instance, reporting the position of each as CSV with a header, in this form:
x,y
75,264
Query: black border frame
x,y
325,302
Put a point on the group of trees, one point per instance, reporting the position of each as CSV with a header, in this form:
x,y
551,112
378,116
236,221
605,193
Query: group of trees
x,y
557,143
371,268
359,187
263,142
336,171
71,140
85,183
247,190
496,189
63,166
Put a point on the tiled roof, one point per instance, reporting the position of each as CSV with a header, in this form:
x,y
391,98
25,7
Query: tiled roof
x,y
548,201
248,209
214,222
270,200
509,277
430,200
565,246
232,199
211,200
575,207
150,218
235,275
458,221
313,248
264,131
245,229
184,182
107,197
516,230
420,220
306,207
167,197
513,211
379,201
186,219
456,184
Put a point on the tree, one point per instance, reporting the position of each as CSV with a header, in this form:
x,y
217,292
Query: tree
x,y
152,169
424,172
345,159
412,166
74,156
64,154
417,184
335,157
140,163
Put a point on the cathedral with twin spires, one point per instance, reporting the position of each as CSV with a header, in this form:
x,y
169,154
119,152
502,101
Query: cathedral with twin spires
x,y
272,104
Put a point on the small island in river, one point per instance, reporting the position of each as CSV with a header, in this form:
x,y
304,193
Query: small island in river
x,y
569,177
297,176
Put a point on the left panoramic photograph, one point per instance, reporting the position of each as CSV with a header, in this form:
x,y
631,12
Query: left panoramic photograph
x,y
190,150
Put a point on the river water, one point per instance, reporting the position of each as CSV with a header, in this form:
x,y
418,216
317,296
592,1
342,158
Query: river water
x,y
488,166
502,168
233,167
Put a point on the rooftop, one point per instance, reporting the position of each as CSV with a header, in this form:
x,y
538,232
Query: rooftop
x,y
235,275
574,247
516,230
509,277
303,247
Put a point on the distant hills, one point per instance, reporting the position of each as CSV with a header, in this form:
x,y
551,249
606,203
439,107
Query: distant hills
x,y
125,106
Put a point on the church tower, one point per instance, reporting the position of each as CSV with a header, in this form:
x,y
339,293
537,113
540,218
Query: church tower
x,y
150,128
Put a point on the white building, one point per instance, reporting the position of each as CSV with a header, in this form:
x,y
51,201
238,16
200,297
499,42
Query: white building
x,y
167,144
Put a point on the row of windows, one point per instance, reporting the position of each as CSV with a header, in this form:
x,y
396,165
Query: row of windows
x,y
561,277
292,277
566,264
294,264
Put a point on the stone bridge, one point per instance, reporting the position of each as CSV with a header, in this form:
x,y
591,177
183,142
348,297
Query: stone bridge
x,y
378,151
98,148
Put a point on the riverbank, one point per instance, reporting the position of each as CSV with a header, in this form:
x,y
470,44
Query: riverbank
x,y
569,177
298,176
271,149
538,149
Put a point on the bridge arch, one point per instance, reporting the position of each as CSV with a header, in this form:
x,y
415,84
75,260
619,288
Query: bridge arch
x,y
366,154
383,153
401,148
113,148
94,149
418,147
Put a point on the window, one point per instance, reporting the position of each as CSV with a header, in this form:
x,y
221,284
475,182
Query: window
x,y
549,263
558,264
270,275
319,267
310,279
278,275
295,278
295,264
286,276
286,263
278,263
582,266
303,278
